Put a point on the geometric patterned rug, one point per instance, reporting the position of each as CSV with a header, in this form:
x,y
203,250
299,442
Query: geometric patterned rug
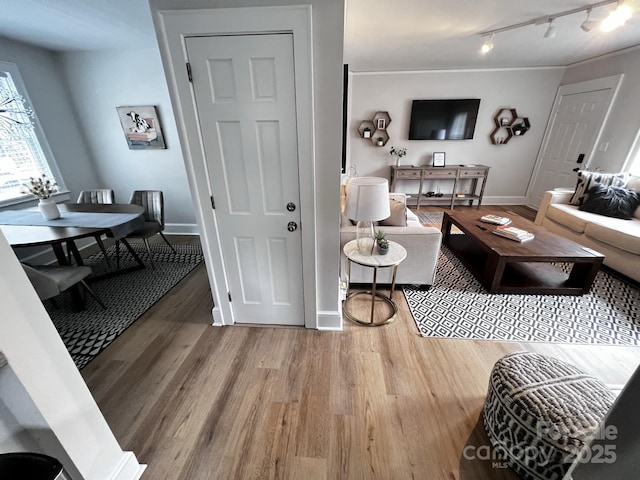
x,y
126,296
430,217
457,306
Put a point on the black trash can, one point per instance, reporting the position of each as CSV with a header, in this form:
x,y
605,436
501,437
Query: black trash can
x,y
30,466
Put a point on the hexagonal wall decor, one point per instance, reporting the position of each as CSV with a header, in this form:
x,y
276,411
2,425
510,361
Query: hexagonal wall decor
x,y
507,125
376,129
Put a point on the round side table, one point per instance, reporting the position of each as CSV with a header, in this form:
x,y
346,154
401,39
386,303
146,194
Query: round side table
x,y
392,259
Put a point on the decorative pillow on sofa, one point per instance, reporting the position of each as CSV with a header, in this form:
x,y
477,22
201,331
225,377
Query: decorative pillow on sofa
x,y
614,202
398,217
586,180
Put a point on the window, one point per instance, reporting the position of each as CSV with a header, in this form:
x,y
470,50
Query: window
x,y
24,152
633,160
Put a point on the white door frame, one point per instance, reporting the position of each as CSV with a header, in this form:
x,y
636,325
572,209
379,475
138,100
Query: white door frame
x,y
612,83
172,27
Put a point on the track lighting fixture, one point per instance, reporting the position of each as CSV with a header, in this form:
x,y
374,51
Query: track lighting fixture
x,y
487,46
551,31
615,19
588,24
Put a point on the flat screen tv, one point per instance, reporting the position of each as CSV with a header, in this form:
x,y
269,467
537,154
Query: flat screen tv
x,y
453,119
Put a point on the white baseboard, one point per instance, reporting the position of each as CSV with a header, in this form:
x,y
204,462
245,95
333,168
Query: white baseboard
x,y
217,321
504,201
128,468
181,229
331,320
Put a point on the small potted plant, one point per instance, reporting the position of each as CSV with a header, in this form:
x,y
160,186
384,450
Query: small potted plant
x,y
380,141
382,242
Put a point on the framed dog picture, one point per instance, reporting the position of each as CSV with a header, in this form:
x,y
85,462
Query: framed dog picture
x,y
141,127
438,159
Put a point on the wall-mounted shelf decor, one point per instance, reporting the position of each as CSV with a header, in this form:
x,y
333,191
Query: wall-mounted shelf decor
x,y
507,125
376,129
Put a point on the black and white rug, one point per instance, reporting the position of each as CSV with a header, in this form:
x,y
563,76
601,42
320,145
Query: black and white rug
x,y
457,306
126,297
430,217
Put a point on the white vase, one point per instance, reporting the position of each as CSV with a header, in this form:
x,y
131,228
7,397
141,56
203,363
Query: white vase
x,y
49,209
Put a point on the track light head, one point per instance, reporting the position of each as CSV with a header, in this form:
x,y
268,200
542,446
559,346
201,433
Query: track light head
x,y
551,31
588,24
487,46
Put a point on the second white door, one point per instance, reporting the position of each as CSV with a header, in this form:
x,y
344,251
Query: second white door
x,y
575,124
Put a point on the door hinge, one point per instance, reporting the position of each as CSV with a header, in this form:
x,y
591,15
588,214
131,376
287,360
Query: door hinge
x,y
189,72
229,293
213,203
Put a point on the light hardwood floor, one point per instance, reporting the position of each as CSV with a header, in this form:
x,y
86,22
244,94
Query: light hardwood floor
x,y
200,402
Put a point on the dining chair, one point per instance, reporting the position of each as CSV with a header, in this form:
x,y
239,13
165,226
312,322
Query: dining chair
x,y
51,280
153,203
99,195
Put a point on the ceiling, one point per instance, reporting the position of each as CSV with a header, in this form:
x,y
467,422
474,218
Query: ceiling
x,y
379,35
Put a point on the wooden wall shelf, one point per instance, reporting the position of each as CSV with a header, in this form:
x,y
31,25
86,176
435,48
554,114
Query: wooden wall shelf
x,y
376,128
508,125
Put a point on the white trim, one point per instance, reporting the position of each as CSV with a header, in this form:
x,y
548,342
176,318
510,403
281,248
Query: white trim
x,y
172,27
604,55
181,229
128,468
496,200
217,319
606,83
454,70
330,321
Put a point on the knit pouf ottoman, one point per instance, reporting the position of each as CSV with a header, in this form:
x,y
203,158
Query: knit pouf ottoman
x,y
539,411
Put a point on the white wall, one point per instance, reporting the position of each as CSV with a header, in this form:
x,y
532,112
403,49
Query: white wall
x,y
100,81
624,121
13,437
45,392
530,91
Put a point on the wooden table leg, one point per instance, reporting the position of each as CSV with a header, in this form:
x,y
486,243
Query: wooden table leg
x,y
583,274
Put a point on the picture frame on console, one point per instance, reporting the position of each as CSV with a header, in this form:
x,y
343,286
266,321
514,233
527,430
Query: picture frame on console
x,y
439,159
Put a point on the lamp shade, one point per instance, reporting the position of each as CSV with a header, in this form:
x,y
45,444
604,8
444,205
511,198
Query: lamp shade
x,y
367,199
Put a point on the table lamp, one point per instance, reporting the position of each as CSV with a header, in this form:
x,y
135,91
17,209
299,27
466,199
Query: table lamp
x,y
367,202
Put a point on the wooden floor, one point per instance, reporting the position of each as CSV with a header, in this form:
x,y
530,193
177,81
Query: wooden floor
x,y
200,402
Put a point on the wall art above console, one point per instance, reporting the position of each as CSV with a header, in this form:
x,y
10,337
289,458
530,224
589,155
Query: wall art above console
x,y
508,125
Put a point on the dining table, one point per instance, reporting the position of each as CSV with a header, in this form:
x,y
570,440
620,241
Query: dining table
x,y
29,228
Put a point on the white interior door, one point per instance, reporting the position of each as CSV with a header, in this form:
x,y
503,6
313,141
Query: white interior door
x,y
575,124
245,99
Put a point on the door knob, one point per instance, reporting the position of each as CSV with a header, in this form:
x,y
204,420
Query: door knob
x,y
292,226
291,206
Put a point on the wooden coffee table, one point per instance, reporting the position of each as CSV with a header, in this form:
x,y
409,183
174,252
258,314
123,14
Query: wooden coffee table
x,y
506,266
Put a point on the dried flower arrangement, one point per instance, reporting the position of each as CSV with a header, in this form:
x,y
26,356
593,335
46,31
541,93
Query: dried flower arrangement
x,y
41,187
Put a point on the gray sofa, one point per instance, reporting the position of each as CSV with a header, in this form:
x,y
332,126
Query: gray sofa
x,y
422,244
617,239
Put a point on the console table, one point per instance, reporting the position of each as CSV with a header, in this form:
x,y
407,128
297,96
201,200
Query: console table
x,y
452,173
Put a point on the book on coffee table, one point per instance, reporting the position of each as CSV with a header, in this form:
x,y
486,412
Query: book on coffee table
x,y
513,233
495,219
